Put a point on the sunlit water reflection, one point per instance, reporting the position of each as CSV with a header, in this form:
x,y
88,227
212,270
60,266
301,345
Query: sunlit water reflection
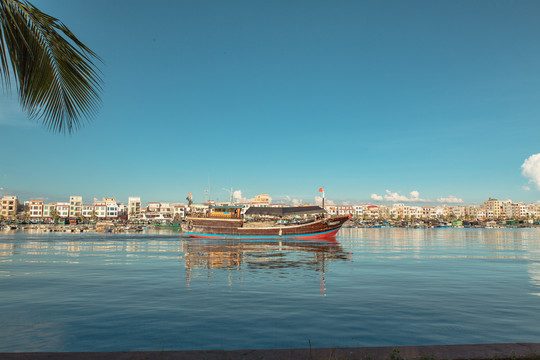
x,y
368,287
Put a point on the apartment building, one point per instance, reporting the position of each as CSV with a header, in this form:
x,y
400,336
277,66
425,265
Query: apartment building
x,y
179,210
339,209
100,209
62,209
519,210
494,206
35,208
122,209
75,206
9,206
106,208
371,211
428,212
162,208
358,210
533,210
88,211
506,208
153,207
261,200
112,209
48,210
134,206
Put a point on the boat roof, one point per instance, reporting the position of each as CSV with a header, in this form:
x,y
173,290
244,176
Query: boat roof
x,y
284,211
225,207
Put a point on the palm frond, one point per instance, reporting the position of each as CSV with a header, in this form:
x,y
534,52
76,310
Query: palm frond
x,y
56,78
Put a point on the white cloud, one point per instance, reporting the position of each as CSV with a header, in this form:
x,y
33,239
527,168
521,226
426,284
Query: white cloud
x,y
450,199
237,195
414,196
531,169
526,188
318,201
294,202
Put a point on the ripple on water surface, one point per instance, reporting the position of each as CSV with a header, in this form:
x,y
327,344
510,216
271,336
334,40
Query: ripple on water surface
x,y
367,287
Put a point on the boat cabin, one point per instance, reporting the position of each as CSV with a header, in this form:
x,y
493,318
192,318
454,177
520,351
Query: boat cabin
x,y
225,212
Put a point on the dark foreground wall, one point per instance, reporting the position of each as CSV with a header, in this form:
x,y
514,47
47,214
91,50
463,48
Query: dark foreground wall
x,y
438,352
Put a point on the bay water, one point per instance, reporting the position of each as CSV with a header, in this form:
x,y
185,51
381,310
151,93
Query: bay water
x,y
160,290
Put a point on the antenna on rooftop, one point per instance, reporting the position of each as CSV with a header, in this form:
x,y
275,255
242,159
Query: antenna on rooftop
x,y
208,194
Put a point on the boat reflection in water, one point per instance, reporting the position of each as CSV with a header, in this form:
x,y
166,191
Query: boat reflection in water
x,y
203,256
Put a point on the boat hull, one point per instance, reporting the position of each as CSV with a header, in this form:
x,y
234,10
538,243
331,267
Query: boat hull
x,y
232,228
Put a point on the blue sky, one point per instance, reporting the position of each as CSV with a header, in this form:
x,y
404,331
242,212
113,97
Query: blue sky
x,y
363,98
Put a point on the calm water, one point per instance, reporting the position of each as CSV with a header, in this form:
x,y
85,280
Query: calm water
x,y
370,287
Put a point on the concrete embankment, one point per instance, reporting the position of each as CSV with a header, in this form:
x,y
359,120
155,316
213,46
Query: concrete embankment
x,y
437,352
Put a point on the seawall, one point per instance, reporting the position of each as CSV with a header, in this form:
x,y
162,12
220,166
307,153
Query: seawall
x,y
431,352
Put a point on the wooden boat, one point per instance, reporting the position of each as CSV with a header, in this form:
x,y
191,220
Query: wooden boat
x,y
229,222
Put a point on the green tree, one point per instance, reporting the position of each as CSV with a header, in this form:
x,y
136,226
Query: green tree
x,y
55,77
22,216
54,215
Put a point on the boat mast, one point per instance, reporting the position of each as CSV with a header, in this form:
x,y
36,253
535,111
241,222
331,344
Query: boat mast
x,y
231,193
322,190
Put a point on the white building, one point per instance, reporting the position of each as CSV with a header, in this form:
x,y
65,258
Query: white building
x,y
532,210
179,210
159,208
48,210
358,210
112,209
62,209
134,206
35,208
87,211
8,206
75,206
339,209
428,212
100,209
107,208
122,209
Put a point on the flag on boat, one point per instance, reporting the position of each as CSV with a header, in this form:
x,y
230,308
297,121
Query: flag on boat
x,y
321,190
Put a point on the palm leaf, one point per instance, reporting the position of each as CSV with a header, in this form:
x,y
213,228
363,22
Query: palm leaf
x,y
56,78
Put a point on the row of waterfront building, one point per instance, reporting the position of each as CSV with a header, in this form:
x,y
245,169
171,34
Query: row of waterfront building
x,y
490,209
109,208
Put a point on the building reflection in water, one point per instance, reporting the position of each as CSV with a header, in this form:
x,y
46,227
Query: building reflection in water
x,y
205,255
